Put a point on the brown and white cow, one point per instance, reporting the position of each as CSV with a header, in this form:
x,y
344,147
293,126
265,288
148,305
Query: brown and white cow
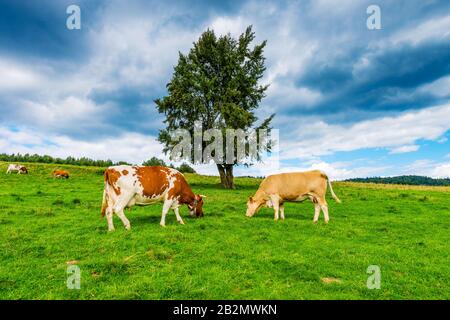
x,y
292,187
126,186
17,167
61,174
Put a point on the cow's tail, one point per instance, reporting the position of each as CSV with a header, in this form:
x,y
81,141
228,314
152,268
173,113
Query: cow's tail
x,y
331,190
105,195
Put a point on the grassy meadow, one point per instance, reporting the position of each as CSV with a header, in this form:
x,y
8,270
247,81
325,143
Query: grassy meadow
x,y
47,224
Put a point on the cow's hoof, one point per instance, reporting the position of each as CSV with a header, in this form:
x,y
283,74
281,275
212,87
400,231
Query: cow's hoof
x,y
111,230
326,221
162,225
315,222
128,227
181,222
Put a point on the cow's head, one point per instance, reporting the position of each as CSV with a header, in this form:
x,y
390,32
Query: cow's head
x,y
253,205
23,170
196,207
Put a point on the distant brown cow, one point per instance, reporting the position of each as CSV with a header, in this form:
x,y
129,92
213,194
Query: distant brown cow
x,y
61,174
292,187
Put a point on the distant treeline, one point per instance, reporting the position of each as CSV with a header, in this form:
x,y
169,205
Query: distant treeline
x,y
410,180
83,161
36,158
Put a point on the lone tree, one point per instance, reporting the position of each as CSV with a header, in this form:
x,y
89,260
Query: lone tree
x,y
216,83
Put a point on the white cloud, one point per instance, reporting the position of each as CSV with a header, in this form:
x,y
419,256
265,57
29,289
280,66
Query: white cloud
x,y
286,94
232,25
331,8
15,76
441,171
131,147
438,88
59,114
433,29
336,171
289,49
404,149
430,168
317,138
130,48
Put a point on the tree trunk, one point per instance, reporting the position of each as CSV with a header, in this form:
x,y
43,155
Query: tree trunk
x,y
222,175
229,176
226,175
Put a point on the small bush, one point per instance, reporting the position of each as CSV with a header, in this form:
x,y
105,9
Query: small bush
x,y
185,168
154,161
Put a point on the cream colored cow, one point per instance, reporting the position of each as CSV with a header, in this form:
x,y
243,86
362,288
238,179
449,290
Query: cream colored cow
x,y
292,187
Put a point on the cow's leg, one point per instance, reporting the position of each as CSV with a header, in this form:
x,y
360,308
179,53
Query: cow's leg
x,y
324,206
177,214
316,212
166,208
276,206
282,211
325,213
122,202
124,219
316,208
109,218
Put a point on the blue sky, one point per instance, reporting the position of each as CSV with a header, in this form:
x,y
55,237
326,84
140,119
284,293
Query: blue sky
x,y
348,100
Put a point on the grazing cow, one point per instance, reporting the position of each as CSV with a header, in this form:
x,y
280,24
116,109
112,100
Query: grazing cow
x,y
292,187
61,174
126,186
17,167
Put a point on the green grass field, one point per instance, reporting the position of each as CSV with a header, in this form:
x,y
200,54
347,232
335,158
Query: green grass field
x,y
46,224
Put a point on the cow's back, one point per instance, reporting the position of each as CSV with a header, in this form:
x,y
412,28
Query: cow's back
x,y
145,181
290,186
154,180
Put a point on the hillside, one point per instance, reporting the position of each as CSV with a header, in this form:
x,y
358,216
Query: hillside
x,y
47,224
408,180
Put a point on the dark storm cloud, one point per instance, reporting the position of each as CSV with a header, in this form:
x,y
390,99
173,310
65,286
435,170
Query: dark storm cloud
x,y
37,29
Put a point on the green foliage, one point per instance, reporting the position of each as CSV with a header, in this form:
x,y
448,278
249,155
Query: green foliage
x,y
223,255
123,163
153,162
185,168
35,158
407,180
217,83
